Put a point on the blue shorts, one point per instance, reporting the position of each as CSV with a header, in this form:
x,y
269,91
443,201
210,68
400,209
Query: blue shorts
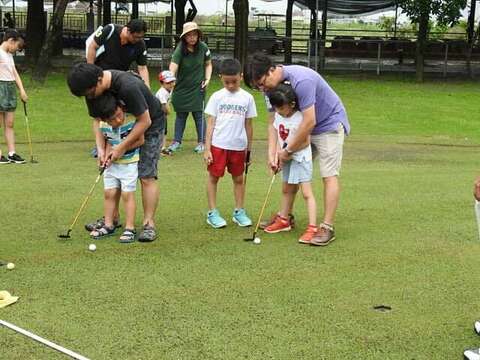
x,y
123,176
295,172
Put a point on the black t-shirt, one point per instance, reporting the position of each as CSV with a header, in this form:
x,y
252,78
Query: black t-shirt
x,y
137,97
116,56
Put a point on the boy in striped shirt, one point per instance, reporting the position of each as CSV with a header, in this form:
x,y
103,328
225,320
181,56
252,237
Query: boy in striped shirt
x,y
120,178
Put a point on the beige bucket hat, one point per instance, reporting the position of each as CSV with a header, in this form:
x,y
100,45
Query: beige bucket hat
x,y
7,299
190,26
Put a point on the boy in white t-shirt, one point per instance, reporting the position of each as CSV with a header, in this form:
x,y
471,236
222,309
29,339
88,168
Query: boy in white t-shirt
x,y
9,78
228,139
167,82
299,169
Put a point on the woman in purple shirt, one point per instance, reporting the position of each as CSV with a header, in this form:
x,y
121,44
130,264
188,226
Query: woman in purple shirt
x,y
324,120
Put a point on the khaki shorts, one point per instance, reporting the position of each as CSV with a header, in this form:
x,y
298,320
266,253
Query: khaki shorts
x,y
328,149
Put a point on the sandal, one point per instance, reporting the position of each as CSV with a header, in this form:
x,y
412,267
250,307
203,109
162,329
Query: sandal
x,y
128,236
102,232
97,224
148,234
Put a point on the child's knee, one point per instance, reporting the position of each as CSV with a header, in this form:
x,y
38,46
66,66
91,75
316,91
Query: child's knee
x,y
238,180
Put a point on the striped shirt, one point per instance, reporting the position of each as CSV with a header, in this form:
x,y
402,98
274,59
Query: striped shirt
x,y
116,136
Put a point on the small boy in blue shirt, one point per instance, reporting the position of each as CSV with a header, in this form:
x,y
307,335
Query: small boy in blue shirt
x,y
120,178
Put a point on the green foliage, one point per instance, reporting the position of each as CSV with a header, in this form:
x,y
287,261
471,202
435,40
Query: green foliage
x,y
387,23
446,12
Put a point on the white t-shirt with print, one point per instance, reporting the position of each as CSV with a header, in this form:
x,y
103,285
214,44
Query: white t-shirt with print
x,y
286,130
6,66
230,111
163,95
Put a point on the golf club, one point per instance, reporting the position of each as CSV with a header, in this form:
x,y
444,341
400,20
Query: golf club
x,y
263,208
29,137
43,341
3,263
67,235
247,164
202,135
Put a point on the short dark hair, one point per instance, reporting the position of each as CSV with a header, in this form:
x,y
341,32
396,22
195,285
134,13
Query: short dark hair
x,y
12,34
104,106
137,26
230,67
283,94
256,67
83,77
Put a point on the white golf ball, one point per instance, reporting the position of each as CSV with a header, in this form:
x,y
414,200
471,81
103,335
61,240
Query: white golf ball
x,y
92,247
10,266
257,240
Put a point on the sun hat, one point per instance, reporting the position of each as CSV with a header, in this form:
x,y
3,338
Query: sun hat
x,y
166,76
190,26
7,299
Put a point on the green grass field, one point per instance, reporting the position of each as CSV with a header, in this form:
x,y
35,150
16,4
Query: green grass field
x,y
406,238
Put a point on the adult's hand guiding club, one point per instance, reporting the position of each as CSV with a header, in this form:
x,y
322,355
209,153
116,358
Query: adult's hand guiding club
x,y
84,204
29,137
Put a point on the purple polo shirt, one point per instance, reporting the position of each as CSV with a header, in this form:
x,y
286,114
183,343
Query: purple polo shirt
x,y
312,89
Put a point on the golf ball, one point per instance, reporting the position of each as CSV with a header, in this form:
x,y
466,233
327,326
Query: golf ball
x,y
257,240
92,247
10,266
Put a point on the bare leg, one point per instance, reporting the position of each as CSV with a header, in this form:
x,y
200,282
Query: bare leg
x,y
238,191
212,191
2,124
289,191
8,131
331,196
310,202
111,196
128,199
150,194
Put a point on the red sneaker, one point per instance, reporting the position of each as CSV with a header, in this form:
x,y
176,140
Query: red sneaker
x,y
279,224
307,236
266,223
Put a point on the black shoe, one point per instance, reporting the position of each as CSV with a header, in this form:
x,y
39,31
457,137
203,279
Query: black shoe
x,y
17,159
4,160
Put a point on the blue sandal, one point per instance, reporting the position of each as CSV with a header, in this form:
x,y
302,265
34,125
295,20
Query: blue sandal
x,y
102,232
128,236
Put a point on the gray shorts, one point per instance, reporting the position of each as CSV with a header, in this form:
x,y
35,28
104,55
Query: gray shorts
x,y
327,148
295,172
8,96
149,154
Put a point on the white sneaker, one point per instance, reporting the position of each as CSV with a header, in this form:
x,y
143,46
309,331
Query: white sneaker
x,y
476,327
472,354
200,148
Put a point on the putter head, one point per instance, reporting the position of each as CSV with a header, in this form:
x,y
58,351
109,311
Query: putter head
x,y
33,161
248,239
65,236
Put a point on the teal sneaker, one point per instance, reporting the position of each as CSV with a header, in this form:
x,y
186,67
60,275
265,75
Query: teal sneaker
x,y
174,146
215,220
240,217
200,148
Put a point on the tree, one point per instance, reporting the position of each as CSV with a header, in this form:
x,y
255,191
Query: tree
x,y
36,30
180,18
240,9
446,12
288,32
54,34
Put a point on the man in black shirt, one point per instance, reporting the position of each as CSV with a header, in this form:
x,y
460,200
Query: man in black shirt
x,y
117,47
91,81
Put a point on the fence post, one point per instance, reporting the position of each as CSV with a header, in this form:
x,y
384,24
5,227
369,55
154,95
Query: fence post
x,y
445,63
379,53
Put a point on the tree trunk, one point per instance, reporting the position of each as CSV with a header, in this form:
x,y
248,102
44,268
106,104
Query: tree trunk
x,y
240,9
36,30
54,33
58,45
107,12
179,15
421,44
470,37
135,9
288,33
99,13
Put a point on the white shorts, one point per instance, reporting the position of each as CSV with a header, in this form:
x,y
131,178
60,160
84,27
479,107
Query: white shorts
x,y
295,172
123,176
328,149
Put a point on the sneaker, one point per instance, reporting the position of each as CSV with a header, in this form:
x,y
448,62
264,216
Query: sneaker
x,y
476,327
324,236
307,236
94,152
471,354
280,224
166,152
4,160
264,224
200,148
215,220
148,234
240,218
174,146
17,159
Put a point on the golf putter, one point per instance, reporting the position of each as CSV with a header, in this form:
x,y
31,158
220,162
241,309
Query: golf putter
x,y
67,235
29,137
247,164
263,208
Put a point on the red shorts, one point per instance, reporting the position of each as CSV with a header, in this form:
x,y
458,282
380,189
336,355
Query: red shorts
x,y
233,160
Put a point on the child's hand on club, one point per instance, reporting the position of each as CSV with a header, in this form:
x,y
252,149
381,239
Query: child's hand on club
x,y
207,156
23,96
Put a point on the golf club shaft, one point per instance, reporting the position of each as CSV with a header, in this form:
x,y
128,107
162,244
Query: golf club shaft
x,y
43,341
29,138
477,214
264,203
